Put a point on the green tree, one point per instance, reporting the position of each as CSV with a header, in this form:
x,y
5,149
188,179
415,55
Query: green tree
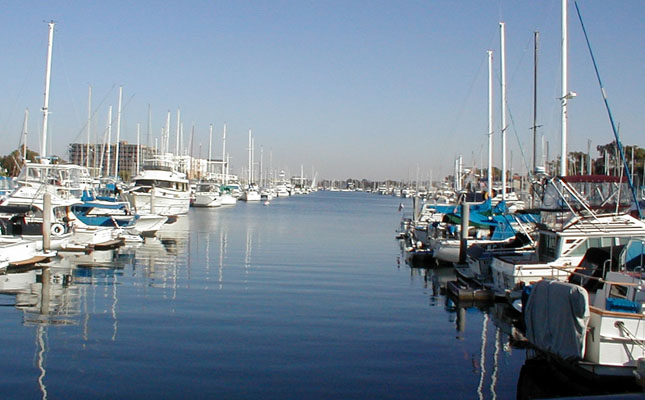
x,y
11,163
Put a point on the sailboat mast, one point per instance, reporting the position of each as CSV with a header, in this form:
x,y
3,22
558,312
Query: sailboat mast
x,y
118,133
502,28
210,141
565,90
253,160
192,147
261,166
536,38
138,147
250,150
226,174
165,141
24,136
490,126
45,109
224,158
109,141
177,132
149,130
89,127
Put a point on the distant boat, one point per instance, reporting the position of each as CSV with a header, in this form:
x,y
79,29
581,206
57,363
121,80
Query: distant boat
x,y
160,189
251,194
207,194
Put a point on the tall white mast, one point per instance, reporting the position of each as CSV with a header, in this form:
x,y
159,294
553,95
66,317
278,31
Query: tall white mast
x,y
181,140
210,141
250,161
253,160
149,130
138,147
118,133
224,156
261,165
165,145
177,133
48,70
490,124
226,174
565,91
503,81
109,141
89,127
24,136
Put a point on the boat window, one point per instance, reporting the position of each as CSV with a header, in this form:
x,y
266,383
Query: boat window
x,y
547,247
594,242
618,291
580,250
143,182
607,241
60,213
33,173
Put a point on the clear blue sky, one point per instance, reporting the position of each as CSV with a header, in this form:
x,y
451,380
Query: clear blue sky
x,y
363,89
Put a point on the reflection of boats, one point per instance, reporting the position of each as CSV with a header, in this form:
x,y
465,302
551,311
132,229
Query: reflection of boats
x,y
19,252
45,295
17,282
542,379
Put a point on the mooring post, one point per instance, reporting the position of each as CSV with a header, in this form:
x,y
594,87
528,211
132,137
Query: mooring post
x,y
465,217
152,199
414,208
47,221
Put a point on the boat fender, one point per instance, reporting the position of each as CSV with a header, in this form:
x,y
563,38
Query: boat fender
x,y
57,229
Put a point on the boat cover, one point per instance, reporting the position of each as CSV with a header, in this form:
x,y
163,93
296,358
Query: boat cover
x,y
556,317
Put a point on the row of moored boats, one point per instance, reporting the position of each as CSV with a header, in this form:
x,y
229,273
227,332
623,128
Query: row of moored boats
x,y
572,266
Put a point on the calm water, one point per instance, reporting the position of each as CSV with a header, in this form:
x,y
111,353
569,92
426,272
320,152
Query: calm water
x,y
301,299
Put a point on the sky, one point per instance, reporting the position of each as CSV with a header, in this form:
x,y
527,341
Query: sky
x,y
348,89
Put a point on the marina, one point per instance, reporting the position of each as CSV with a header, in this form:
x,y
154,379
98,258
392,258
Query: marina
x,y
165,268
212,303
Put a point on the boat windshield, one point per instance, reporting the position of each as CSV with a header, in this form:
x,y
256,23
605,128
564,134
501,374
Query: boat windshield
x,y
548,245
147,183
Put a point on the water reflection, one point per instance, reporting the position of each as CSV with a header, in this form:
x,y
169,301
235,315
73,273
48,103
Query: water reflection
x,y
46,297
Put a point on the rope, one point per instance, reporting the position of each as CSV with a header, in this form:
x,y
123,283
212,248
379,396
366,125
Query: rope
x,y
621,327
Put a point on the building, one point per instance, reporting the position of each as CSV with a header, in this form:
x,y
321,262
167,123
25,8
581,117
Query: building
x,y
101,160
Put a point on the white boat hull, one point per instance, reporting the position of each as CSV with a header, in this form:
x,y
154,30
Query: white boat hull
x,y
228,200
251,195
148,224
166,202
207,200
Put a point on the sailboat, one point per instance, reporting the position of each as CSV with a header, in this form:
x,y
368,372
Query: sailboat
x,y
251,193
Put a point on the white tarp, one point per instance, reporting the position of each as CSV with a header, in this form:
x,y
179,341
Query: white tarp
x,y
556,317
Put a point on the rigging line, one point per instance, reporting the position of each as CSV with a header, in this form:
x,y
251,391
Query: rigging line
x,y
123,107
611,118
69,85
468,95
470,90
96,109
519,143
30,69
